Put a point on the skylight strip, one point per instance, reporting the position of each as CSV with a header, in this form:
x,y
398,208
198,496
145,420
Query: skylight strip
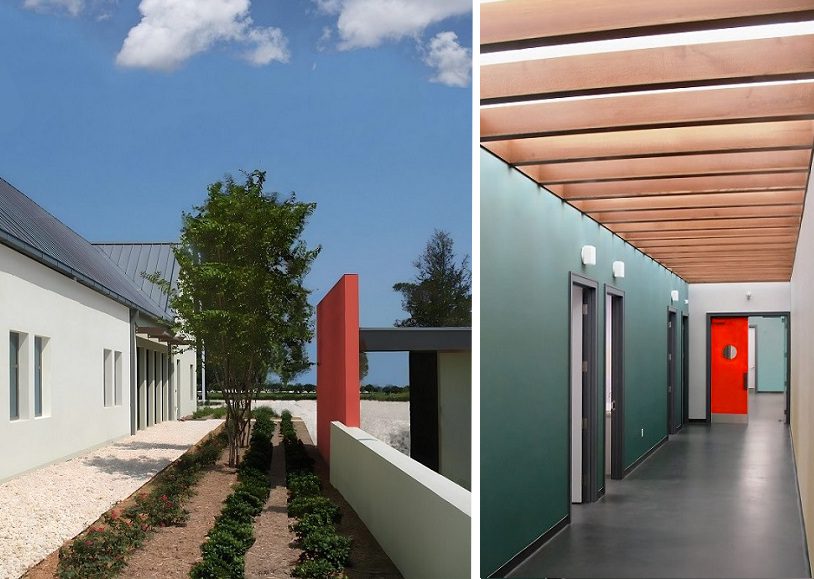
x,y
761,32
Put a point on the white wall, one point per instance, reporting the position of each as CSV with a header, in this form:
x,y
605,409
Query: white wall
x,y
455,416
802,366
189,382
79,324
724,298
421,519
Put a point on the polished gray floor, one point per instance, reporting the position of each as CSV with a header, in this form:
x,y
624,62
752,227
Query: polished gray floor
x,y
714,501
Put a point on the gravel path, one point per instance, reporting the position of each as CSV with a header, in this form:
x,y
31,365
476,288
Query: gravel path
x,y
387,421
44,508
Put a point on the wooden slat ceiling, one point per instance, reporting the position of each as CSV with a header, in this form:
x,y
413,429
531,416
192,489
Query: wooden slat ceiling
x,y
695,149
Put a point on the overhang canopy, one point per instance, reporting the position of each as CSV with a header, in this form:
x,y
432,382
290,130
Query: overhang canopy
x,y
685,128
415,339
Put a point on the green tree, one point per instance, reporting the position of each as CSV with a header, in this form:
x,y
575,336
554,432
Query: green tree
x,y
240,290
363,366
441,294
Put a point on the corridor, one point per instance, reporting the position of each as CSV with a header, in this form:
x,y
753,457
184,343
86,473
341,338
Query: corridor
x,y
715,501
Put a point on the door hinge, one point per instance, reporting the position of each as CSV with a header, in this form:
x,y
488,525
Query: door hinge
x,y
670,357
584,365
584,423
669,324
584,309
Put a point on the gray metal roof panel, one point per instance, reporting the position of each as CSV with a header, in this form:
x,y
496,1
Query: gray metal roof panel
x,y
135,259
30,229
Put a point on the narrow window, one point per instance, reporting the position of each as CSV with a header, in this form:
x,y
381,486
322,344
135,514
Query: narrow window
x,y
14,374
37,376
108,372
117,379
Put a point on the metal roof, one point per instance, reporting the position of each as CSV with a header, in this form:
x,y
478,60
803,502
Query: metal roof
x,y
136,259
31,230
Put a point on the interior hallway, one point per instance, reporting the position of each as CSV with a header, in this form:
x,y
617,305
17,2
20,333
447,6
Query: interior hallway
x,y
717,501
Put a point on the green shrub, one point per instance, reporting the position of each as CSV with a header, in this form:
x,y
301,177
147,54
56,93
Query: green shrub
x,y
311,523
233,533
316,569
303,484
326,543
319,505
209,412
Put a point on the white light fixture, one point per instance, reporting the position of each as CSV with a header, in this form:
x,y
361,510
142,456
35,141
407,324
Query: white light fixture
x,y
686,302
618,269
674,295
748,294
588,255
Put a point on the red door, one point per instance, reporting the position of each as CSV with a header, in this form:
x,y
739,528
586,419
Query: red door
x,y
729,365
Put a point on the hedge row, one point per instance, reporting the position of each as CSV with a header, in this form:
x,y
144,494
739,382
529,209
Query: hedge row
x,y
233,532
325,551
103,550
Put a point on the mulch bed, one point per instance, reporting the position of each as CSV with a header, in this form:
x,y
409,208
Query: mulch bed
x,y
172,551
273,554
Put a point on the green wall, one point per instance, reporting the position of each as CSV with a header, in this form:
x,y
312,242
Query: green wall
x,y
530,242
771,350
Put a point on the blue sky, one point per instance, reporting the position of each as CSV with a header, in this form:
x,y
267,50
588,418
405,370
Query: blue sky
x,y
116,115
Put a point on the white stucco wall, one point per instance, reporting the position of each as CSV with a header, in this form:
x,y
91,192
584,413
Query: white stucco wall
x,y
79,324
188,382
802,366
724,298
455,416
421,519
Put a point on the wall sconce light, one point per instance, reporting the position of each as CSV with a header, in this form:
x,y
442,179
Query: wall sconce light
x,y
686,302
748,294
618,269
674,295
588,255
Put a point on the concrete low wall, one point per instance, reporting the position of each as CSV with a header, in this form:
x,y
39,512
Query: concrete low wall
x,y
421,519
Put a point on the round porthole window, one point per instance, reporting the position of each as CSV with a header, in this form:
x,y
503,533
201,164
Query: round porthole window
x,y
730,352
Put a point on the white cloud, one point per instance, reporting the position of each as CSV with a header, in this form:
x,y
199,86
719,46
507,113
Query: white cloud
x,y
172,31
451,61
72,7
102,8
369,23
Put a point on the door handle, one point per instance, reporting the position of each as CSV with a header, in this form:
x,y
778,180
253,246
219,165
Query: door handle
x,y
746,380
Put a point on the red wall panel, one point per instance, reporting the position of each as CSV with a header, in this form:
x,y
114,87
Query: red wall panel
x,y
337,360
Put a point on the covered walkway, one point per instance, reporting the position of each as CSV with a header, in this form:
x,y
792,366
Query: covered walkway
x,y
715,501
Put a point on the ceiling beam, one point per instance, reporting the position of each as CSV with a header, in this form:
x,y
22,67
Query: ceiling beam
x,y
754,222
657,143
763,198
748,233
607,217
673,166
716,63
683,185
715,242
783,102
560,20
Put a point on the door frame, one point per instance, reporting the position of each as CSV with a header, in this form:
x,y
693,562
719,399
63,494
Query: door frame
x,y
617,382
776,314
685,368
672,326
590,489
751,327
